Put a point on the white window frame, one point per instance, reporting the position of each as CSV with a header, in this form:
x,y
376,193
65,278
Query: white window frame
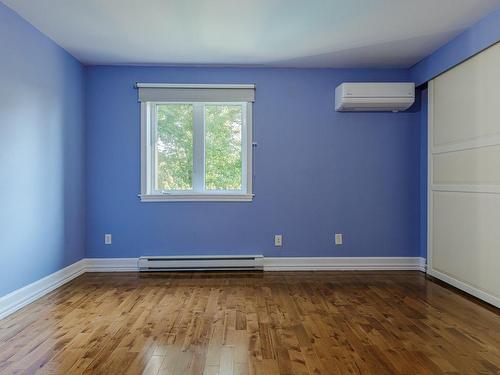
x,y
149,194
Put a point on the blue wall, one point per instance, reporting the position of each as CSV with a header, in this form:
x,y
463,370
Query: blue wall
x,y
479,36
41,155
422,93
317,171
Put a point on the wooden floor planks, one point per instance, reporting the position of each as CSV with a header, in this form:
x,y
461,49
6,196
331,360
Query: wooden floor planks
x,y
294,323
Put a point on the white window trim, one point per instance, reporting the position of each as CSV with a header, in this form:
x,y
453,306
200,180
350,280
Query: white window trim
x,y
147,137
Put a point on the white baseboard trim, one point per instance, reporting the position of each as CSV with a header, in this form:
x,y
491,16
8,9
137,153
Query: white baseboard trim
x,y
289,264
344,264
491,299
23,296
31,292
112,265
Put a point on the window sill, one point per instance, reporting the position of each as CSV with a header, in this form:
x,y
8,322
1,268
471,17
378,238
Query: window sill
x,y
196,198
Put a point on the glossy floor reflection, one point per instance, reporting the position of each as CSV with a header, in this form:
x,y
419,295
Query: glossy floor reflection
x,y
252,323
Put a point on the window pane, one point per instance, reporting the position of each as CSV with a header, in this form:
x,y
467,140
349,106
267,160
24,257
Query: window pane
x,y
174,147
223,125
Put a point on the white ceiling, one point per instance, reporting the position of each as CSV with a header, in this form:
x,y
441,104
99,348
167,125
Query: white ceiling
x,y
294,33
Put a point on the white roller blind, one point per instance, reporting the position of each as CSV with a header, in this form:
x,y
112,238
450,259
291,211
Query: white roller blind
x,y
161,92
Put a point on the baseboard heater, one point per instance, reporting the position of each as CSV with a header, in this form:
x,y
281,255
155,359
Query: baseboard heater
x,y
202,263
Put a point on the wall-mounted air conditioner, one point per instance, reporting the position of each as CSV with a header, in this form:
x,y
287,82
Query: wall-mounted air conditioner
x,y
374,96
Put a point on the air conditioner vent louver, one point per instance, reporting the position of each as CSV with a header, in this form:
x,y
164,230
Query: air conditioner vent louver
x,y
201,263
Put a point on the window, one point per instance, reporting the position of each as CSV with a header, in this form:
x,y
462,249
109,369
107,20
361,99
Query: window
x,y
194,148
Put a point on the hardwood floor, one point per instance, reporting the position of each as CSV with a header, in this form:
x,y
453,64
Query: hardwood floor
x,y
252,323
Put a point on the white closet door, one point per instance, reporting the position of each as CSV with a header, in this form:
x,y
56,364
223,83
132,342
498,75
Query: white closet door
x,y
464,176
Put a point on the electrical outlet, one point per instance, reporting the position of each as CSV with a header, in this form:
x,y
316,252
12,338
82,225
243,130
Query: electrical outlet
x,y
108,239
338,239
278,240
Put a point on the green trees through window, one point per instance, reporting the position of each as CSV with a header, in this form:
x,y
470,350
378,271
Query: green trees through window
x,y
174,146
223,147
